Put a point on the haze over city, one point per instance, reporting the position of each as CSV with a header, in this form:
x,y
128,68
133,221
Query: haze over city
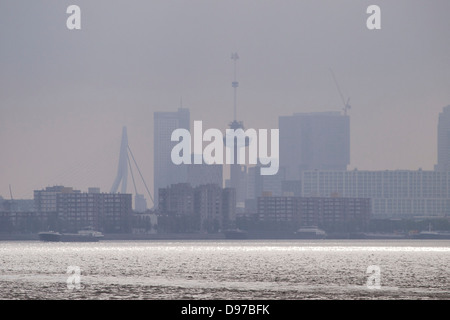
x,y
65,95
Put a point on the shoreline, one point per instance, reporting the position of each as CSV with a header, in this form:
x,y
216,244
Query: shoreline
x,y
220,236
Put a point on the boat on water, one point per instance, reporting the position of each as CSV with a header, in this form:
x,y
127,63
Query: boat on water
x,y
432,235
377,235
81,236
50,236
235,234
310,232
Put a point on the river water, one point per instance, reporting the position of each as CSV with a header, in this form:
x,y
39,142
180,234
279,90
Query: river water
x,y
222,270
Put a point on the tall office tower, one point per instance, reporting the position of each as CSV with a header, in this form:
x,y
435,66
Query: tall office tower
x,y
259,185
444,140
314,141
238,182
165,171
198,174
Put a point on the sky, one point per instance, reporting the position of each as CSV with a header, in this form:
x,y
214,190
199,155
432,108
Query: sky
x,y
66,94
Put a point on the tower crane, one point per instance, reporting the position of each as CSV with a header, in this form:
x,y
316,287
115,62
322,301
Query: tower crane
x,y
346,104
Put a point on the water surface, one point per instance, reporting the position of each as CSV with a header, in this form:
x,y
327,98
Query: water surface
x,y
272,269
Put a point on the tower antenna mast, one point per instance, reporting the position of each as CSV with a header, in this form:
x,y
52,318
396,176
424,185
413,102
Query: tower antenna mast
x,y
235,83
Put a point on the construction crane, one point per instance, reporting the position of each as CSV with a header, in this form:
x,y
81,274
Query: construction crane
x,y
346,104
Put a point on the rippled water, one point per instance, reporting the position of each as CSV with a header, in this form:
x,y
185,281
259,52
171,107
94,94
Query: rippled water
x,y
226,269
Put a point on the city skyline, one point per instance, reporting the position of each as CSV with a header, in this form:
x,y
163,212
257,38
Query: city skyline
x,y
66,97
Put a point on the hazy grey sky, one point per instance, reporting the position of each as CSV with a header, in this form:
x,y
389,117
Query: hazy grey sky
x,y
65,95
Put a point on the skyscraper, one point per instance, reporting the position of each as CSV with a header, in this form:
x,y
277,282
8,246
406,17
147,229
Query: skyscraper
x,y
198,174
443,163
310,141
165,171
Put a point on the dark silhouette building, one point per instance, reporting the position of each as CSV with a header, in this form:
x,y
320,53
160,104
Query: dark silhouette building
x,y
207,208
